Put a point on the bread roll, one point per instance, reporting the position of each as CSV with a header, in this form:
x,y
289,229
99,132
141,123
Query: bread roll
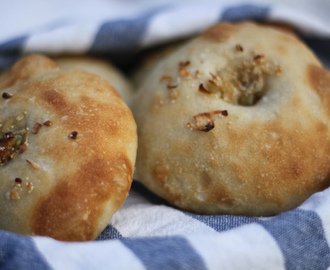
x,y
235,122
68,148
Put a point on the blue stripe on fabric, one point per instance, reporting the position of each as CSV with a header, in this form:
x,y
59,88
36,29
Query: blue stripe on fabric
x,y
222,223
321,48
19,252
122,35
109,232
245,12
11,51
166,253
300,235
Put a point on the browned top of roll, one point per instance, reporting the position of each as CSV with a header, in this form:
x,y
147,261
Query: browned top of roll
x,y
70,164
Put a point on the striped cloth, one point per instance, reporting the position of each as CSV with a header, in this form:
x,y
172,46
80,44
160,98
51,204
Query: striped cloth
x,y
146,233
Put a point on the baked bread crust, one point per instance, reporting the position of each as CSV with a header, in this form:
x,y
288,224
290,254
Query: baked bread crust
x,y
101,68
235,122
73,155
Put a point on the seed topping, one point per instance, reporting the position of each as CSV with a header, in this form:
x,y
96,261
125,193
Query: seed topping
x,y
18,180
34,166
183,69
239,48
204,121
47,123
37,126
73,135
6,95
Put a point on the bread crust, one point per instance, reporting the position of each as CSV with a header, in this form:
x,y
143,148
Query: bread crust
x,y
101,68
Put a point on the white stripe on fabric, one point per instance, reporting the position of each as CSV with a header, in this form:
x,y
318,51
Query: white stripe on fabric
x,y
311,17
100,255
319,203
186,20
139,217
247,247
307,24
24,18
67,39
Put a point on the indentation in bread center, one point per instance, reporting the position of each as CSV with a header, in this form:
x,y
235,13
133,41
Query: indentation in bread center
x,y
245,82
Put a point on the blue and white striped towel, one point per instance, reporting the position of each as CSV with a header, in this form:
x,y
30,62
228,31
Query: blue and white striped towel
x,y
146,233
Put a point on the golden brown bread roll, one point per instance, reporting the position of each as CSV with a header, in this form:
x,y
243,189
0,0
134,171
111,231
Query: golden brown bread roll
x,y
68,147
235,122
